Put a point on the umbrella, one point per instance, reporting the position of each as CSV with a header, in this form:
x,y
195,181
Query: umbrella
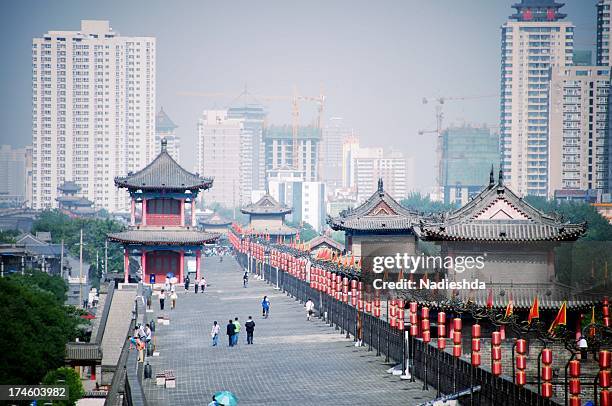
x,y
170,274
226,398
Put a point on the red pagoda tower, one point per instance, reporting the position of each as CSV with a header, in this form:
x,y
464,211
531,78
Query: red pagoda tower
x,y
159,231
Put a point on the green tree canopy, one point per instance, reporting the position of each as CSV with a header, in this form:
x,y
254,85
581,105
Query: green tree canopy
x,y
66,376
35,327
424,204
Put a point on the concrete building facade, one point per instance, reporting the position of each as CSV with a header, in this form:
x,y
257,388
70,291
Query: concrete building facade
x,y
13,175
603,33
532,41
279,150
334,136
579,129
467,156
93,111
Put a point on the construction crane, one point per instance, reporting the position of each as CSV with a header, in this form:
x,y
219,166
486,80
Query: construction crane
x,y
295,99
440,101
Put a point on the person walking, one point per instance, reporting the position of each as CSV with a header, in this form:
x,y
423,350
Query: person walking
x,y
249,325
265,307
167,285
245,279
309,309
173,298
230,333
187,284
214,333
583,346
237,328
162,299
196,285
202,284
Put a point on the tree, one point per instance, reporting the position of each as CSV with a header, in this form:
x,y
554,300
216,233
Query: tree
x,y
306,231
424,204
45,282
8,236
66,376
35,328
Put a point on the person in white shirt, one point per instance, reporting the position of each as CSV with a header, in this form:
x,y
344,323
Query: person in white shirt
x,y
309,309
583,346
214,333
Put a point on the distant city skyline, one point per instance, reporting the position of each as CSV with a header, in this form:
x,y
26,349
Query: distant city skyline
x,y
374,63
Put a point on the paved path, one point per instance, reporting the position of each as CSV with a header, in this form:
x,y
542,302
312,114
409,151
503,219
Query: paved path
x,y
293,362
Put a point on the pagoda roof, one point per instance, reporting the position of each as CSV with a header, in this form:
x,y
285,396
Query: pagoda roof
x,y
69,187
266,205
538,10
497,214
74,201
164,173
325,240
167,236
215,220
163,122
380,212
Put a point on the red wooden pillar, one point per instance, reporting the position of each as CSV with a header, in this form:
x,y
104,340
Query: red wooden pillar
x,y
126,265
198,262
181,265
182,203
133,213
193,213
92,376
143,264
144,212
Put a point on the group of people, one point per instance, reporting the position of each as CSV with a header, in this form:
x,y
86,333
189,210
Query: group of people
x,y
233,331
141,336
200,284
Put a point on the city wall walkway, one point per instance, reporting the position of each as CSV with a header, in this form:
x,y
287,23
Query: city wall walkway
x,y
292,361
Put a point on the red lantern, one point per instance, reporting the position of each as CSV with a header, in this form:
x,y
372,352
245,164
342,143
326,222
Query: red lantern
x,y
496,353
496,338
414,330
496,368
456,351
425,324
475,344
400,324
574,368
547,356
441,343
521,361
521,378
476,331
605,398
457,324
476,358
413,318
547,390
574,386
441,330
413,307
426,336
604,359
425,312
604,378
392,322
547,373
521,346
457,337
441,318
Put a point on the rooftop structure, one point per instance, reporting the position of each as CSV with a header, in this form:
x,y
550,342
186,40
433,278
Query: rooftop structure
x,y
538,10
267,217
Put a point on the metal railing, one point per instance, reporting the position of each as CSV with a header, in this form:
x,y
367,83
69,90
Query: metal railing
x,y
432,366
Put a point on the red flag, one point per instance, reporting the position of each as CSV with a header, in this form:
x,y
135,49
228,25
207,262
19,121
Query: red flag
x,y
534,312
561,318
490,299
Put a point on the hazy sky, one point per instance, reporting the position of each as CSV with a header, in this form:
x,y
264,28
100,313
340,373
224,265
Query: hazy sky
x,y
375,60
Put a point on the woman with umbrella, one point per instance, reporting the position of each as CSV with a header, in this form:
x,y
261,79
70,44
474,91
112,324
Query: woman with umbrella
x,y
224,398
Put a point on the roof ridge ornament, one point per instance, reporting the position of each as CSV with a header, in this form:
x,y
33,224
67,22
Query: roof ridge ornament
x,y
500,180
164,144
491,178
380,186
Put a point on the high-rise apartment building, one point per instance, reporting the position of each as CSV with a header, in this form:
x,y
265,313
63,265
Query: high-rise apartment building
x,y
334,136
533,40
279,153
13,175
467,156
166,129
579,129
603,33
253,117
220,156
231,150
93,104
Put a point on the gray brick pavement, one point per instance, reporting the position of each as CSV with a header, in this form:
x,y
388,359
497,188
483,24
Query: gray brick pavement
x,y
293,362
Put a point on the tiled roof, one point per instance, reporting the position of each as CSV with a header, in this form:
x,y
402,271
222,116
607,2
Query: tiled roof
x,y
163,237
215,220
164,173
497,214
550,297
83,352
69,187
325,240
266,205
379,213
